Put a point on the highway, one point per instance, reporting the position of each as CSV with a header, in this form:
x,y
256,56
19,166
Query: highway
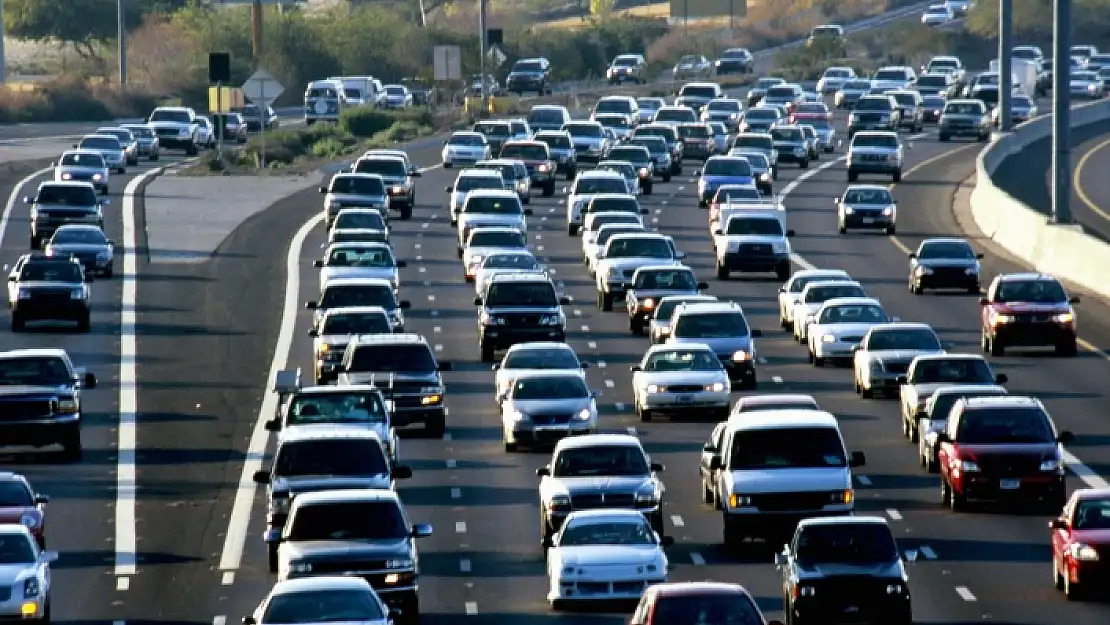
x,y
209,346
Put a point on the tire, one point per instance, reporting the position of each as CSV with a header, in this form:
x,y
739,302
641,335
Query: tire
x,y
891,230
571,173
84,324
943,138
406,212
572,230
866,393
1067,350
852,176
447,165
722,272
635,327
997,348
803,164
485,351
606,301
35,242
840,229
191,150
18,324
435,428
896,177
667,177
509,447
645,415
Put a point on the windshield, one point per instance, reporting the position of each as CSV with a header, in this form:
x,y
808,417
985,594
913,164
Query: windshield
x,y
711,326
857,85
787,134
630,154
496,238
675,115
32,371
624,169
988,96
639,247
694,131
75,195
51,271
357,185
904,338
890,74
767,83
806,110
521,294
881,103
382,166
651,104
362,520
946,250
667,279
590,532
714,608
729,106
179,117
1022,102
868,196
761,114
932,81
1030,291
99,143
838,72
321,92
601,460
323,606
781,92
943,64
798,284
933,102
787,448
612,106
848,543
395,90
748,226
492,206
852,313
353,457
525,151
940,405
953,371
779,404
381,257
604,234
735,167
625,61
359,220
654,145
510,261
528,66
559,142
589,186
698,91
556,387
726,194
392,359
145,131
14,494
1003,426
1092,514
471,183
16,549
356,323
340,296
546,116
73,159
80,236
548,358
583,130
963,108
467,139
683,360
821,294
875,141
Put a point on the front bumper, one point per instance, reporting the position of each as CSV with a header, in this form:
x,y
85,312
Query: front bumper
x,y
734,261
864,607
756,523
794,155
40,432
700,151
404,198
606,588
176,143
589,155
526,433
875,167
16,608
868,222
962,130
30,309
836,350
402,415
503,337
703,400
1034,334
1047,488
150,149
946,280
854,127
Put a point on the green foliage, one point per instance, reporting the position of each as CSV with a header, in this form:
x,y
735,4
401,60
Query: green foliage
x,y
328,148
366,121
76,21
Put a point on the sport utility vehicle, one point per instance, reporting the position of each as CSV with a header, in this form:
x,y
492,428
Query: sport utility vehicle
x,y
623,255
661,163
397,177
347,190
530,75
56,204
670,135
1028,310
41,395
536,157
652,283
519,308
627,68
724,328
911,109
405,369
586,186
964,118
176,128
1002,449
875,153
561,148
49,287
874,112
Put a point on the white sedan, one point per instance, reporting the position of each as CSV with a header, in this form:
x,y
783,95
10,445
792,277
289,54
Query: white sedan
x,y
592,250
813,295
326,598
594,222
840,325
790,294
538,356
503,261
604,555
680,379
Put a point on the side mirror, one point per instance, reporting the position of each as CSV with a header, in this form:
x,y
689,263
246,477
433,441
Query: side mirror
x,y
111,242
271,537
1074,299
449,189
780,559
404,304
1001,378
644,211
855,348
273,425
89,381
1058,524
74,145
857,459
495,366
680,255
596,393
756,333
979,256
401,264
635,368
53,163
782,289
697,172
477,301
789,233
41,499
657,467
416,173
666,541
702,286
528,212
261,477
1065,437
565,190
942,437
310,305
543,471
318,263
984,301
314,333
421,530
445,366
715,463
249,620
401,472
912,255
902,379
896,319
11,278
564,301
49,556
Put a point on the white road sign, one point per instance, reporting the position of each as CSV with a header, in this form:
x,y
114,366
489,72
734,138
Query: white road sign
x,y
262,88
496,55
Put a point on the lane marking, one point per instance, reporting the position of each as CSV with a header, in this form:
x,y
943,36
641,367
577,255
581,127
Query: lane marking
x,y
619,406
464,566
228,578
456,493
697,559
601,364
451,464
446,436
864,480
928,552
631,431
610,383
894,514
216,620
676,520
577,312
777,379
439,347
1077,180
591,345
437,329
471,608
16,198
585,328
460,527
761,360
123,583
965,594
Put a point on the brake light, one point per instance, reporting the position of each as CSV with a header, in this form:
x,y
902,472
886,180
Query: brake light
x,y
793,120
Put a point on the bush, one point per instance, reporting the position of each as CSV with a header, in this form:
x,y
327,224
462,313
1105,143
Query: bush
x,y
71,99
366,121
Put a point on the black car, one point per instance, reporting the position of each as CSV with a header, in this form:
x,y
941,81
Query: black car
x,y
848,568
53,288
734,61
40,399
649,285
530,75
519,308
257,118
640,158
56,204
944,264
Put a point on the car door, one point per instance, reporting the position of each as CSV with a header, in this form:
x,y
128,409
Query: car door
x,y
711,449
1061,536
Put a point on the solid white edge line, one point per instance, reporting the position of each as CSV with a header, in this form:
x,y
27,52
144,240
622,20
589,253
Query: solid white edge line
x,y
14,198
471,608
965,593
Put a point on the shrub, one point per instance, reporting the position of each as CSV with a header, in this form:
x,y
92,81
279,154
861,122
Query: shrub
x,y
366,121
328,148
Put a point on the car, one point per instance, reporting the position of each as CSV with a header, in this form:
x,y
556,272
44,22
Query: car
x,y
662,164
944,263
359,225
698,140
595,221
751,239
876,587
514,173
734,61
148,144
591,144
126,140
1004,449
885,354
616,549
489,208
875,153
870,207
1028,310
350,190
691,65
728,111
763,170
110,149
680,601
622,255
790,293
759,89
20,503
503,261
839,327
650,283
641,159
659,326
939,85
397,176
537,161
668,133
259,118
1023,108
725,329
288,601
833,78
594,248
176,128
850,93
206,135
85,242
874,113
562,150
929,372
45,388
586,186
729,194
815,293
468,181
1086,84
680,379
530,75
464,147
747,143
83,166
759,484
542,407
760,120
934,106
813,141
228,127
519,308
719,171
56,204
28,566
1078,538
621,125
483,241
397,97
627,68
49,288
334,330
778,401
935,420
548,117
787,95
937,15
964,117
910,109
496,132
342,291
625,169
599,471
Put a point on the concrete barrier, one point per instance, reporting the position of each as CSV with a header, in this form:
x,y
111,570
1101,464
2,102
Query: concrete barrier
x,y
1062,250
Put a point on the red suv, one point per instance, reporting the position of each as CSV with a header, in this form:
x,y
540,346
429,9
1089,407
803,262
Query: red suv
x,y
1002,449
1028,310
1081,542
711,603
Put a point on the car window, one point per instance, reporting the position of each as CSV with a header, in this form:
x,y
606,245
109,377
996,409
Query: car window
x,y
362,520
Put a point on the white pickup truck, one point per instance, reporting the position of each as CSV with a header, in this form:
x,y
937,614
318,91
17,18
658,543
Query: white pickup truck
x,y
751,241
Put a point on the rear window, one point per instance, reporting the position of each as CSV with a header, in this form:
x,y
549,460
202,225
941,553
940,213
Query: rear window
x,y
350,521
711,326
546,116
393,359
731,608
555,141
527,152
1004,425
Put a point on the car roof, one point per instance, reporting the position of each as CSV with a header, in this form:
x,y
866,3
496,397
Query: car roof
x,y
80,152
65,183
613,196
355,310
787,418
1002,401
647,268
345,496
690,298
670,589
547,373
866,187
670,347
844,520
851,301
806,273
823,283
775,398
467,133
591,440
501,229
319,582
358,281
404,338
1091,493
327,432
901,325
610,514
709,308
595,173
494,193
960,389
12,529
34,352
479,172
637,235
538,345
1014,277
948,356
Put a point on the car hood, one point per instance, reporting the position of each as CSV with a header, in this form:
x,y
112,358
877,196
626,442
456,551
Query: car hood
x,y
77,248
548,406
174,125
869,207
81,169
16,514
665,378
357,201
892,570
959,117
347,550
593,555
312,483
11,573
331,273
723,347
1028,307
606,484
587,140
899,355
483,251
658,293
716,181
633,262
359,234
760,481
475,220
924,391
106,151
872,150
466,148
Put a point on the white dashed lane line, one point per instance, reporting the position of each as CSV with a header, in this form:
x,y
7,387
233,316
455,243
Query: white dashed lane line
x,y
676,520
452,464
437,329
863,480
610,384
619,406
601,364
697,559
471,608
894,514
591,345
464,567
777,379
228,578
965,593
460,527
456,493
585,328
631,431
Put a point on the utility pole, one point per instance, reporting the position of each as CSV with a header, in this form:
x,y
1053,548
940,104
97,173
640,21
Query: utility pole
x,y
121,43
256,34
3,58
482,46
1061,113
1005,69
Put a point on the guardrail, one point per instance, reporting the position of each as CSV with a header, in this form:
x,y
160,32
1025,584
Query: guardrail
x,y
1065,251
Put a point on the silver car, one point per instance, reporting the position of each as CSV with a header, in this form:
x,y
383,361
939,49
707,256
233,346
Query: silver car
x,y
626,169
87,243
546,406
680,379
126,139
649,107
621,125
148,140
359,259
108,146
359,224
24,575
659,328
83,166
465,147
353,597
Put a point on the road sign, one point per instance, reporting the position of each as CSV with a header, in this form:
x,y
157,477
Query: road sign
x,y
447,63
496,55
262,88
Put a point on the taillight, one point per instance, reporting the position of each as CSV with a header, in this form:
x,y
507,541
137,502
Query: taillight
x,y
793,120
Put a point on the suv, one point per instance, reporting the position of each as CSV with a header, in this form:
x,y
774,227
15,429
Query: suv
x,y
334,330
874,112
404,367
875,153
962,118
547,117
591,144
617,105
341,292
536,157
561,149
487,208
623,255
874,586
519,308
363,532
397,177
695,95
791,145
885,353
41,398
586,186
176,128
54,288
660,155
347,190
627,68
767,483
321,458
929,372
752,241
670,135
651,283
530,75
1002,448
724,328
597,471
911,109
56,204
1028,310
467,182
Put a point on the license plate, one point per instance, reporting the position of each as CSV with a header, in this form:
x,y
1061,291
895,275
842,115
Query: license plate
x,y
868,220
1010,484
685,399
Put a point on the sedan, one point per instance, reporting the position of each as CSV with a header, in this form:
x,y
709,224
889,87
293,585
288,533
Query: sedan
x,y
840,325
692,65
944,263
19,503
86,243
680,379
1079,535
82,165
868,207
23,560
503,261
536,356
321,599
543,407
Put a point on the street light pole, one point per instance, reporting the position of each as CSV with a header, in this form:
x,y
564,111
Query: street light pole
x,y
121,41
3,58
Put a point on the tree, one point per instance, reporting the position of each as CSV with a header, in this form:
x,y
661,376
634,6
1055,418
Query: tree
x,y
83,23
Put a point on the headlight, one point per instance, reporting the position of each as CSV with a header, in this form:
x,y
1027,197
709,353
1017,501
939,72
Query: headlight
x,y
971,271
396,189
741,356
98,177
24,294
848,210
805,591
67,406
1051,465
648,304
828,338
653,389
399,563
969,467
842,496
66,175
1004,319
583,415
644,171
739,501
429,400
31,588
543,168
77,294
29,520
184,132
300,567
1079,551
716,387
647,495
924,271
888,211
895,589
764,177
1063,318
550,320
280,504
